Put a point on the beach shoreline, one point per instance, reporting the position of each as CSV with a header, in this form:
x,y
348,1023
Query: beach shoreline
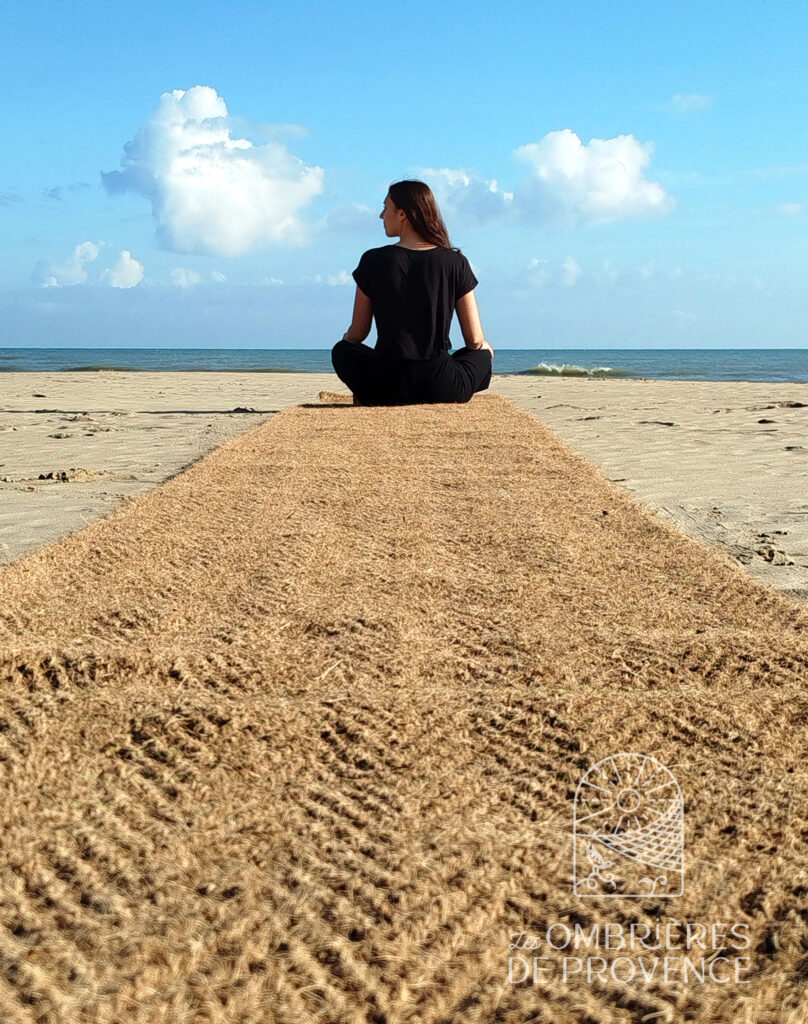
x,y
726,462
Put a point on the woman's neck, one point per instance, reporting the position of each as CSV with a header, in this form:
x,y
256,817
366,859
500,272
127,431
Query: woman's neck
x,y
410,239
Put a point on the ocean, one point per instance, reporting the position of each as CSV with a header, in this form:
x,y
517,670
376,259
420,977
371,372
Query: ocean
x,y
775,365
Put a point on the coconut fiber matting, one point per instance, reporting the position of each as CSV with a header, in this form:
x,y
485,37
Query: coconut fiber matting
x,y
296,737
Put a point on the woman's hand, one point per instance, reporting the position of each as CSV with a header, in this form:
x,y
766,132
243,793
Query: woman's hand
x,y
485,347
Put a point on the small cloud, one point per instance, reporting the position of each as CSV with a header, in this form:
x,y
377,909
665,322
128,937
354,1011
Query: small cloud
x,y
69,272
647,270
791,209
539,272
183,277
266,281
683,317
218,277
265,131
349,217
7,198
57,192
343,277
608,272
125,272
688,103
570,271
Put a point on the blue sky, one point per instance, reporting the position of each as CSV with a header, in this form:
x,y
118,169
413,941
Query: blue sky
x,y
620,174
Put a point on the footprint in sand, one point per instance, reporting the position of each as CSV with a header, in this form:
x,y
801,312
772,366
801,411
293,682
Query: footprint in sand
x,y
77,473
772,554
777,405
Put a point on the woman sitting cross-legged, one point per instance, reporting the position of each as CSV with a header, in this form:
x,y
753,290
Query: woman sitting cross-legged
x,y
412,288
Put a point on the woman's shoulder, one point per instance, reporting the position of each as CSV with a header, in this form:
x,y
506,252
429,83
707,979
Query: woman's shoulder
x,y
386,254
379,252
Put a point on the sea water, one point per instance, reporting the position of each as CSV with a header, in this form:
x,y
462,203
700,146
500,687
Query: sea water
x,y
775,365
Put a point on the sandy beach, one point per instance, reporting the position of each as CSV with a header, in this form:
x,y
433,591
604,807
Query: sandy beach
x,y
727,463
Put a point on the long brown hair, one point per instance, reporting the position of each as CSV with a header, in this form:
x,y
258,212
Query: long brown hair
x,y
416,199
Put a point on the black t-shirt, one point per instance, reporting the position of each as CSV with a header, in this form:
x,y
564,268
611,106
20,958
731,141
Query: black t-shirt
x,y
414,292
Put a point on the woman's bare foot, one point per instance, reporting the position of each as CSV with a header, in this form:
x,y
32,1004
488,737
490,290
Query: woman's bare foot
x,y
335,398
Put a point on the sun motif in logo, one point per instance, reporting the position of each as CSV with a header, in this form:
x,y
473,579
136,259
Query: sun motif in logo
x,y
631,805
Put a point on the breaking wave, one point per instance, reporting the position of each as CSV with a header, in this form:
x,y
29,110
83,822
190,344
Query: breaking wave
x,y
573,370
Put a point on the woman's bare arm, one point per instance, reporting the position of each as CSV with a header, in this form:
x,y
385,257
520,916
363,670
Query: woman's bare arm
x,y
362,318
469,318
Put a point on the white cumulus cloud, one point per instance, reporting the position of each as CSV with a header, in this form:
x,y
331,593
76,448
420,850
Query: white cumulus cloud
x,y
71,271
212,193
460,193
790,209
596,183
568,183
125,272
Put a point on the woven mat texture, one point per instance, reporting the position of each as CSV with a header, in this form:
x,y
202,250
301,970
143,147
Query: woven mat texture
x,y
294,737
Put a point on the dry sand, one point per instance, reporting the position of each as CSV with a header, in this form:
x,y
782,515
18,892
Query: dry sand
x,y
726,462
128,431
295,738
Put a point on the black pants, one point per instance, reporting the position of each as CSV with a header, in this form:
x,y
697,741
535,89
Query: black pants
x,y
376,380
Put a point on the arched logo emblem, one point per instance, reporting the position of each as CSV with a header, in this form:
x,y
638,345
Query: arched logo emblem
x,y
628,829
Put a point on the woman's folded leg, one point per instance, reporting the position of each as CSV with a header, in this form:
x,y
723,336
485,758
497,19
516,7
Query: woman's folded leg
x,y
353,364
452,378
475,366
368,377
